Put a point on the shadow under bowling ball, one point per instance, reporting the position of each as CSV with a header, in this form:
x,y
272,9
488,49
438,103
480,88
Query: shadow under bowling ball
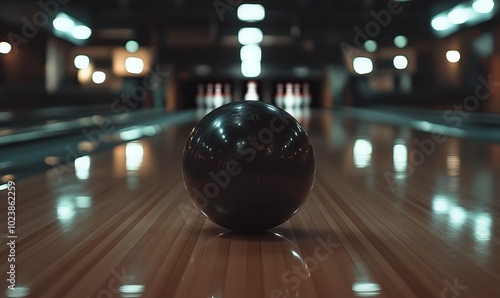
x,y
232,264
248,166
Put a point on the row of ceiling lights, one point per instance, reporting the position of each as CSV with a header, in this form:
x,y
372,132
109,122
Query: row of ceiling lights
x,y
471,12
250,38
364,65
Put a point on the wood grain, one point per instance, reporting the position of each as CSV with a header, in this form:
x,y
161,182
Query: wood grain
x,y
129,229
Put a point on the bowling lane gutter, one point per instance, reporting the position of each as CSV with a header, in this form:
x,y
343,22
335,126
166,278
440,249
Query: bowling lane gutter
x,y
25,159
13,136
429,121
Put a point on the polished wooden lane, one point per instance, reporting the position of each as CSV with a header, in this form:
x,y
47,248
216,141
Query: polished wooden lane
x,y
386,218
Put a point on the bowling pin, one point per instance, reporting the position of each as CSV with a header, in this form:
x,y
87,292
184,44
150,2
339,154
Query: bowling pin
x,y
252,91
200,96
289,98
218,98
209,96
298,96
227,94
306,95
278,99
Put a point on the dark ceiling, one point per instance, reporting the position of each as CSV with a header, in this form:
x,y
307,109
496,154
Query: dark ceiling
x,y
194,31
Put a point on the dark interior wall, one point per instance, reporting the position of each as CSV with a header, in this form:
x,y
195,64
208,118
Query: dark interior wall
x,y
22,79
25,64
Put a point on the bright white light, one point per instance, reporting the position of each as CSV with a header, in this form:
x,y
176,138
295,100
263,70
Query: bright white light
x,y
250,36
371,46
132,46
440,204
453,164
250,69
400,62
134,65
63,23
131,290
251,12
83,202
134,153
400,157
458,16
18,293
98,77
362,65
362,153
453,56
82,61
440,23
131,134
251,52
5,47
483,6
82,167
482,227
400,41
458,215
81,32
366,289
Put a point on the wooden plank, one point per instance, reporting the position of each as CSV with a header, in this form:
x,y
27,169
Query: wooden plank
x,y
130,229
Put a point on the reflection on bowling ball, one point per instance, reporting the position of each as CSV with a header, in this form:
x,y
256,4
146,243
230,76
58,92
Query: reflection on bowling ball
x,y
248,166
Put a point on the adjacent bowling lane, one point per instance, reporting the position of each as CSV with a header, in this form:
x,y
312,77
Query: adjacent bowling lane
x,y
393,213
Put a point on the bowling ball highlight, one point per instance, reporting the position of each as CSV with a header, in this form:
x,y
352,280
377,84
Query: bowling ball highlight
x,y
248,166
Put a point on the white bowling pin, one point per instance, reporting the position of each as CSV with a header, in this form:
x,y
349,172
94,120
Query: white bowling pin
x,y
289,98
306,95
200,96
209,96
252,91
227,94
297,95
278,99
218,98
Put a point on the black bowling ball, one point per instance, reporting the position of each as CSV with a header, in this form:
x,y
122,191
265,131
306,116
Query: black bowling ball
x,y
248,166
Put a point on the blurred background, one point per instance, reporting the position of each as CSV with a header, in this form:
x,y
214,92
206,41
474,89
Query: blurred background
x,y
79,68
81,53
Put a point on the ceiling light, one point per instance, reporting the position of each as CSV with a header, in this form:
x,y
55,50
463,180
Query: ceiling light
x,y
81,32
251,12
134,65
483,6
250,36
98,77
63,23
362,65
250,69
440,23
82,61
132,46
5,47
251,52
400,62
453,56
